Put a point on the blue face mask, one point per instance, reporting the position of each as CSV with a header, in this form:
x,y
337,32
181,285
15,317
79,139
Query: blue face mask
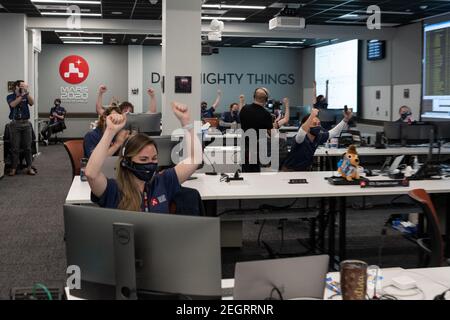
x,y
144,171
315,131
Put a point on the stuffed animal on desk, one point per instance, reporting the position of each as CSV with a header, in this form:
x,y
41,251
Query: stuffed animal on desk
x,y
349,165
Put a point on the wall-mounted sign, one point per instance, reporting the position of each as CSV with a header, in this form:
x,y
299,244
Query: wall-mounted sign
x,y
74,69
183,84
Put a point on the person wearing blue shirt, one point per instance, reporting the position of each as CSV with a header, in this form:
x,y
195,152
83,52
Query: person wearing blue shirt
x,y
209,112
93,137
309,137
230,119
139,186
19,103
56,124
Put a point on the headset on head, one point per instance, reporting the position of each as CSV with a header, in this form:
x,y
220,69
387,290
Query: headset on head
x,y
265,91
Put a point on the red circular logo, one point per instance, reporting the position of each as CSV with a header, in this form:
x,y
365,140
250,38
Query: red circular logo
x,y
74,69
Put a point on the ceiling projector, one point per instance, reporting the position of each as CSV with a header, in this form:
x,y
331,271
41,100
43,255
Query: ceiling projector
x,y
282,22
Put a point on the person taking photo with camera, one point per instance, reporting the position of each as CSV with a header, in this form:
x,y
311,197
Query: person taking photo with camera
x,y
20,128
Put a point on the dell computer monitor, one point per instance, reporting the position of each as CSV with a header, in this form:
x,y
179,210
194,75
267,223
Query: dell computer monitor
x,y
175,255
148,123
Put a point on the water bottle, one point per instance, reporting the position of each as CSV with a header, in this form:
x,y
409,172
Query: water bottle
x,y
83,163
416,164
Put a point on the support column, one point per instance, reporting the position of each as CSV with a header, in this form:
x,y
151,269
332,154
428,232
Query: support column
x,y
136,78
181,56
13,57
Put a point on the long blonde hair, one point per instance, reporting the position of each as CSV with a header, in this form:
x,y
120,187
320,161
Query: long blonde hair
x,y
131,198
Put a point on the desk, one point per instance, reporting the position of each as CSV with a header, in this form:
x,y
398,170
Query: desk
x,y
275,186
371,151
432,281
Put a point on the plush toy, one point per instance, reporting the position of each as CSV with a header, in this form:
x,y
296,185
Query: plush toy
x,y
349,165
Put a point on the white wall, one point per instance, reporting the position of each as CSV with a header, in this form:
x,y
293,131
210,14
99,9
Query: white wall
x,y
13,58
240,61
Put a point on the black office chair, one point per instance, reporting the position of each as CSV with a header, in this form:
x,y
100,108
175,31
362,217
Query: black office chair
x,y
432,245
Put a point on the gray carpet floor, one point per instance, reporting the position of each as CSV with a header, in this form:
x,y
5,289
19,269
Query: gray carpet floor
x,y
31,230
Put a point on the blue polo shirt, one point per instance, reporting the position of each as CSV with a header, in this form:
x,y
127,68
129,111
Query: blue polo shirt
x,y
91,140
230,117
21,111
60,111
301,155
160,193
208,113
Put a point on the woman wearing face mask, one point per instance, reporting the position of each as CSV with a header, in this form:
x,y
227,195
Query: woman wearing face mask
x,y
309,137
139,186
405,114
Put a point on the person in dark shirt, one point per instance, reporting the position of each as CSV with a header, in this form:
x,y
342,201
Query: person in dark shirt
x,y
320,101
93,137
405,115
230,119
56,124
255,117
209,112
309,137
19,103
139,186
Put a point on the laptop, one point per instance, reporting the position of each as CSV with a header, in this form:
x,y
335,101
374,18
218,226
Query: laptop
x,y
290,278
109,167
396,163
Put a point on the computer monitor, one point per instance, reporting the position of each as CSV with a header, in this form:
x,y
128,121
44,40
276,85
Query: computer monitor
x,y
416,133
148,123
167,255
302,277
442,130
169,150
392,132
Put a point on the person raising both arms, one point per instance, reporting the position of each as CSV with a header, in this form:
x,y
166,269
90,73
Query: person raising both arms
x,y
125,107
209,113
139,186
309,137
320,101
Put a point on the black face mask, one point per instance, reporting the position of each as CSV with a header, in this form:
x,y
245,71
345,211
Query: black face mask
x,y
204,107
143,171
405,115
315,131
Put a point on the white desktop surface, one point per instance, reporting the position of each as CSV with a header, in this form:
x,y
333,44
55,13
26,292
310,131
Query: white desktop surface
x,y
371,151
275,186
432,281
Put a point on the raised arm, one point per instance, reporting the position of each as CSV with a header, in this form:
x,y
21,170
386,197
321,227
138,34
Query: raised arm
x,y
193,146
241,102
96,179
153,102
304,129
217,102
314,99
287,113
99,104
343,125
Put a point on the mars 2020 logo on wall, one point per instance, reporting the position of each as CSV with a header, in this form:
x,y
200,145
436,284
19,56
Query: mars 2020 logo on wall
x,y
74,70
